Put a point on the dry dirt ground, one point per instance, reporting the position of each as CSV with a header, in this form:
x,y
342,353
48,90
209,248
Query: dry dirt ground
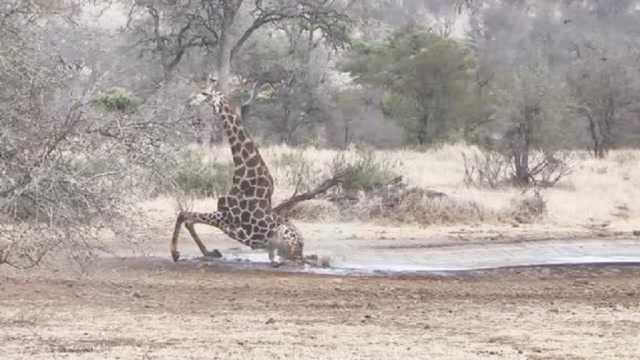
x,y
150,308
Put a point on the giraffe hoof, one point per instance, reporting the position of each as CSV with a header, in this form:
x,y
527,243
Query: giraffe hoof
x,y
214,254
175,255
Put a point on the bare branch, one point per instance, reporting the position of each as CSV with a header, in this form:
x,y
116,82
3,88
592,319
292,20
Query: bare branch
x,y
285,207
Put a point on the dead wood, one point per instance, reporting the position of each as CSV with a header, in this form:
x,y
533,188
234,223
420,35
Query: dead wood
x,y
285,207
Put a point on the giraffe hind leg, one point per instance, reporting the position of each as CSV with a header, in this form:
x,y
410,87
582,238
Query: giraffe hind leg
x,y
189,220
175,254
215,253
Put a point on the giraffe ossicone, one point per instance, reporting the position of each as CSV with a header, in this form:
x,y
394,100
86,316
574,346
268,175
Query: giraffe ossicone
x,y
244,213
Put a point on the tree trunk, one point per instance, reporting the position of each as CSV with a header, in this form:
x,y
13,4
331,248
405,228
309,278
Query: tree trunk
x,y
422,132
225,45
347,136
286,135
223,65
606,128
521,145
595,139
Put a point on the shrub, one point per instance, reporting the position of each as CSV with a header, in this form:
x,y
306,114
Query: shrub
x,y
364,173
67,209
424,207
298,172
529,209
196,176
118,99
492,169
487,169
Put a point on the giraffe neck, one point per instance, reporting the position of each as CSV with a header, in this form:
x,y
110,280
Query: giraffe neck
x,y
251,175
242,146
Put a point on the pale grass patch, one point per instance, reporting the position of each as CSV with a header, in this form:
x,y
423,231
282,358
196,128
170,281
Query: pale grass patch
x,y
599,188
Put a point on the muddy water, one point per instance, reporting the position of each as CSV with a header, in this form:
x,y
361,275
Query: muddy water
x,y
363,257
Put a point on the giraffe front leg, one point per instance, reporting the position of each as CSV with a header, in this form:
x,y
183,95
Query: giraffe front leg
x,y
277,253
272,257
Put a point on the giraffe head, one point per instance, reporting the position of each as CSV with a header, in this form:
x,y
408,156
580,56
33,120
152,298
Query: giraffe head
x,y
209,95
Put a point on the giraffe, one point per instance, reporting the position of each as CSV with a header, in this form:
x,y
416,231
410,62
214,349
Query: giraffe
x,y
245,212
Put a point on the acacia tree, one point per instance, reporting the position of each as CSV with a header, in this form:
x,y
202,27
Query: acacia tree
x,y
426,78
171,28
589,46
602,75
64,161
603,95
521,78
291,68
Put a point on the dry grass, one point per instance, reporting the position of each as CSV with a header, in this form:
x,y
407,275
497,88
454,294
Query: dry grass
x,y
316,210
597,191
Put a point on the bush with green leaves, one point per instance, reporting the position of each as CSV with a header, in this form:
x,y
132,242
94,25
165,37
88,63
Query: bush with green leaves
x,y
366,172
196,176
426,79
118,99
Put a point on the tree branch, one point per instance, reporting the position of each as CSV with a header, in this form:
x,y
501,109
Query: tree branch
x,y
285,207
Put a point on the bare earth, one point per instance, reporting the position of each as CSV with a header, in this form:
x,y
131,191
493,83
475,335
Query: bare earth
x,y
150,308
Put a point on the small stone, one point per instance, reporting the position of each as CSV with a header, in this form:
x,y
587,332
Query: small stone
x,y
636,232
270,321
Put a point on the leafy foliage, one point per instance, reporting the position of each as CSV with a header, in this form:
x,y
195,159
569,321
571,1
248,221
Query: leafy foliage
x,y
366,172
65,177
118,99
195,176
426,78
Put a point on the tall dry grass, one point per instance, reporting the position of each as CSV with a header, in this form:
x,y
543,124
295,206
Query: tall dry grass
x,y
597,191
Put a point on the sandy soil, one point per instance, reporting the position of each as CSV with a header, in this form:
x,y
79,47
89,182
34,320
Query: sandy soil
x,y
146,307
150,308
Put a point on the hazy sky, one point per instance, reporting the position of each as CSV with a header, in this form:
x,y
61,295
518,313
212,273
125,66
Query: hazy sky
x,y
112,18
